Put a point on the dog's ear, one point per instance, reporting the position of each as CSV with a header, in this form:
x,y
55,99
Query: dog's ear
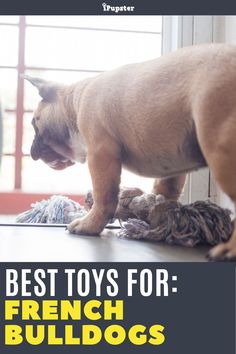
x,y
47,89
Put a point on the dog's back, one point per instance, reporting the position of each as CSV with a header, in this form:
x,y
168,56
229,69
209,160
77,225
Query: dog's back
x,y
148,107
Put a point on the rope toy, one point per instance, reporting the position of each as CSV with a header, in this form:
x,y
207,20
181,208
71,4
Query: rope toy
x,y
147,217
56,210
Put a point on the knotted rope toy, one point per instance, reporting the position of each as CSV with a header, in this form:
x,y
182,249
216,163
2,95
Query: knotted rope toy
x,y
56,210
148,217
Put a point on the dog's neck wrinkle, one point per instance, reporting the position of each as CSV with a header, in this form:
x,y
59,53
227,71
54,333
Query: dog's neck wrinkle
x,y
71,95
78,92
68,106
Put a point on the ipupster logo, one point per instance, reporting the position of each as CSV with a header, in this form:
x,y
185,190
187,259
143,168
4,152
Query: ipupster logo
x,y
116,9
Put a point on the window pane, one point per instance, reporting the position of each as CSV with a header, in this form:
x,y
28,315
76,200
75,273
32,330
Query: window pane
x,y
9,45
9,19
9,132
31,96
129,179
137,23
82,49
39,178
8,84
28,133
67,77
7,173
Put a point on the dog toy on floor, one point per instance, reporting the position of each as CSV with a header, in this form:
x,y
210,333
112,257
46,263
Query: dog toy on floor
x,y
201,222
147,216
56,210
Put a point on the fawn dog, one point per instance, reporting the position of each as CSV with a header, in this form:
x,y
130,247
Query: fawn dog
x,y
161,118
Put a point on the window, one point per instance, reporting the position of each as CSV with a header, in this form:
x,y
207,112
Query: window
x,y
66,49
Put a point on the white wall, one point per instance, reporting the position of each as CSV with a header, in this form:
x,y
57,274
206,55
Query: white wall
x,y
230,29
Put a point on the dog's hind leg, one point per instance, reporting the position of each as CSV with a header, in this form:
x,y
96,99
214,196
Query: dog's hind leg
x,y
171,187
216,131
223,165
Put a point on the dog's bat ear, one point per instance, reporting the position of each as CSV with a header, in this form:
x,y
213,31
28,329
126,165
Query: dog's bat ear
x,y
47,89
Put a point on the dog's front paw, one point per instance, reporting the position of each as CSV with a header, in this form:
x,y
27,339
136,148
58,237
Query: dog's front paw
x,y
84,226
223,252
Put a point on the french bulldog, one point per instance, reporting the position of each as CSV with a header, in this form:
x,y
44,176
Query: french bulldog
x,y
161,118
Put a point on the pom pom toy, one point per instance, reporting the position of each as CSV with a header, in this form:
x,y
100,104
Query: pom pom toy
x,y
148,217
